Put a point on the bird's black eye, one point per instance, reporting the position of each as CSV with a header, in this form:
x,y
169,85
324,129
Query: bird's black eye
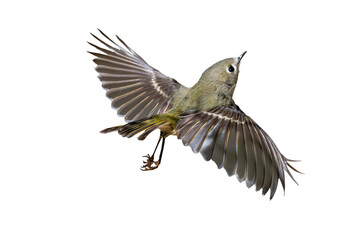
x,y
231,68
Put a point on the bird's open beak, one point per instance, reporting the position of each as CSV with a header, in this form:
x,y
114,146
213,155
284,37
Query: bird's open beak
x,y
241,56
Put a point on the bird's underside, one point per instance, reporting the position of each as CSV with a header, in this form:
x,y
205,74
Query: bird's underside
x,y
224,133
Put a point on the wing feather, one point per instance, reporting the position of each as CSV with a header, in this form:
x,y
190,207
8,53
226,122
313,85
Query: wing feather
x,y
251,157
230,150
235,142
242,153
260,156
219,147
136,89
202,134
209,143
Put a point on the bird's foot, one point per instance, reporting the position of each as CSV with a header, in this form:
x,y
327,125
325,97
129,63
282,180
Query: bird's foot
x,y
150,164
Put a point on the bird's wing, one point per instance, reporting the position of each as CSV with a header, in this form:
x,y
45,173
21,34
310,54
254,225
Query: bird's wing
x,y
234,141
136,89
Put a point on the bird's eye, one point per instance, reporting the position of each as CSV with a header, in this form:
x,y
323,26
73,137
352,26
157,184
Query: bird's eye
x,y
231,68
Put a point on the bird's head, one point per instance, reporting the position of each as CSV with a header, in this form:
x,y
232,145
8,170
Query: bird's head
x,y
223,74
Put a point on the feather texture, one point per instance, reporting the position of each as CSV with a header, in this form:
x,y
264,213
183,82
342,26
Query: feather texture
x,y
136,89
235,142
150,100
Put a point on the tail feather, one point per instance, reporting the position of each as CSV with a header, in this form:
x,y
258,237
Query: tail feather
x,y
149,130
111,129
133,128
128,130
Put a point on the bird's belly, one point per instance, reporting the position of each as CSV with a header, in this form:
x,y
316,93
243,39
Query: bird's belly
x,y
168,129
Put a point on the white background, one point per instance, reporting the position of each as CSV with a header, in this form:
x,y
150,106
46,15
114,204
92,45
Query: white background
x,y
61,179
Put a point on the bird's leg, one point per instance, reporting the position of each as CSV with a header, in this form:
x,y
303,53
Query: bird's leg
x,y
149,163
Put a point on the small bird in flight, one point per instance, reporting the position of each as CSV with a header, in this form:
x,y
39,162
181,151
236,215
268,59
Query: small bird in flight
x,y
204,117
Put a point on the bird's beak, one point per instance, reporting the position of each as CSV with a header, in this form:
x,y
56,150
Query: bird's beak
x,y
241,56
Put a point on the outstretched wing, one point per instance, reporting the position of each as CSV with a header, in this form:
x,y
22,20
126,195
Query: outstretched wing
x,y
136,89
234,141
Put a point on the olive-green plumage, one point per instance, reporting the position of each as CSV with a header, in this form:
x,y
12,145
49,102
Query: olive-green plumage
x,y
215,87
204,116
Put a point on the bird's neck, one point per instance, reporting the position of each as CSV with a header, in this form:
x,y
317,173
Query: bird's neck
x,y
214,87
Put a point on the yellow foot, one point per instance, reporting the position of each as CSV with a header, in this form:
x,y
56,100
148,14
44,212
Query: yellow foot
x,y
150,164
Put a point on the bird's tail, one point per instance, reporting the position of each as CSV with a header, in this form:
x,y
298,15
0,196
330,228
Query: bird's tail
x,y
146,124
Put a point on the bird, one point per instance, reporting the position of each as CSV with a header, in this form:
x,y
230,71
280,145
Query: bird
x,y
204,116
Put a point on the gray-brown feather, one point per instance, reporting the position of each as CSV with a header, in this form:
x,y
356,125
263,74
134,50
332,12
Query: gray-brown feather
x,y
136,89
234,141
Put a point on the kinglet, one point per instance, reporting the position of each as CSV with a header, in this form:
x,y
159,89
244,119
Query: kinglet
x,y
204,117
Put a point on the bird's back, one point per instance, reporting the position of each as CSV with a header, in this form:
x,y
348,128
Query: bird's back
x,y
201,97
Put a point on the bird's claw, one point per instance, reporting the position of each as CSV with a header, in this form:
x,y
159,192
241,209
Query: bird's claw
x,y
149,163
